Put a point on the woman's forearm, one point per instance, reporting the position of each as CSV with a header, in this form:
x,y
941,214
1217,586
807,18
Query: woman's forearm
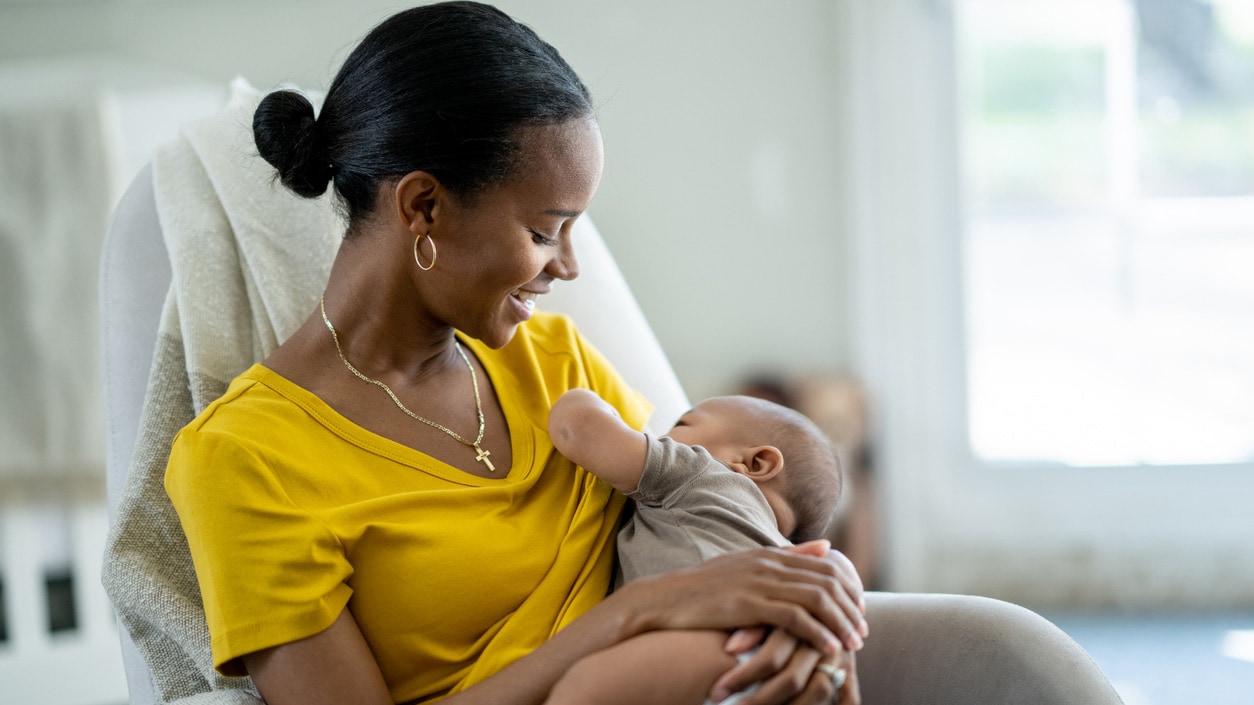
x,y
763,587
529,680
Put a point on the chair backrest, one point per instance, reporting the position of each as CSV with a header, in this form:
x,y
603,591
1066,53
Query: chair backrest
x,y
135,277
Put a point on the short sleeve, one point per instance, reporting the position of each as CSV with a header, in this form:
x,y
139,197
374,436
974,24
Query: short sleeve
x,y
270,572
668,468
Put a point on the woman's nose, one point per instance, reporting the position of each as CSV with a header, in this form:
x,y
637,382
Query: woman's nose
x,y
564,265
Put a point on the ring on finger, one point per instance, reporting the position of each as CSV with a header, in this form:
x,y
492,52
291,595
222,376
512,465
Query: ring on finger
x,y
838,675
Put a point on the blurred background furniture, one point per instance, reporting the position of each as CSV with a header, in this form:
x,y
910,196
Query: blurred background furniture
x,y
73,132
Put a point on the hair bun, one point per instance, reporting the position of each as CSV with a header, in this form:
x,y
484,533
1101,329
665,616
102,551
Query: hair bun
x,y
286,133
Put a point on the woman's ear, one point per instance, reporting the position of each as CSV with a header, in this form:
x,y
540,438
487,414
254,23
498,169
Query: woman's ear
x,y
763,463
416,198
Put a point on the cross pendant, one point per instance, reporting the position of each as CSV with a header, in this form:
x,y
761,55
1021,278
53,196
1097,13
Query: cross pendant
x,y
483,457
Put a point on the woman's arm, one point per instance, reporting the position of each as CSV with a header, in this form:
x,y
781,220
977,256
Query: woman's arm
x,y
681,667
336,666
332,666
591,434
754,583
793,593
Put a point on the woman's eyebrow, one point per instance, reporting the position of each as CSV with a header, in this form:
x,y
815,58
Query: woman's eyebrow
x,y
562,213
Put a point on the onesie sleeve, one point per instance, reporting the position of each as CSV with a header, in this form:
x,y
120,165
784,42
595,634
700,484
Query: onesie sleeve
x,y
689,508
669,467
270,572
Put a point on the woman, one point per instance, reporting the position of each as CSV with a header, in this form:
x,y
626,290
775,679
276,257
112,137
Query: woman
x,y
375,512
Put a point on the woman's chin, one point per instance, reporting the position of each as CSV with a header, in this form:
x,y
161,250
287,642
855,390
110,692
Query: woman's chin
x,y
498,336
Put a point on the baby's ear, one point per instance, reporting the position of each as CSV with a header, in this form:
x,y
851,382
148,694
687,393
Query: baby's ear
x,y
763,463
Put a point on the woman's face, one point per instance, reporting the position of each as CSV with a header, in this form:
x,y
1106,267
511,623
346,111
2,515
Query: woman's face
x,y
502,249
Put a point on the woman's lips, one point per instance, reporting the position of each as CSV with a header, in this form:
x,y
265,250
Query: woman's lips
x,y
525,302
528,298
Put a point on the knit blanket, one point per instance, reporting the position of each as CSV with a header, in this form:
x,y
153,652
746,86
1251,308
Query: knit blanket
x,y
249,260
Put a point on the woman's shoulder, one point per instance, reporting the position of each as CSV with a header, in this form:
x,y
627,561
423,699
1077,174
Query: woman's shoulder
x,y
260,420
256,398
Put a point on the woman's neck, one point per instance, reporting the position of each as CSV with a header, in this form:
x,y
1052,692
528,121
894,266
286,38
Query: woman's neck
x,y
382,325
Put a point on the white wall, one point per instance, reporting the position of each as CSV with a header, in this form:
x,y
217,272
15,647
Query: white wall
x,y
720,196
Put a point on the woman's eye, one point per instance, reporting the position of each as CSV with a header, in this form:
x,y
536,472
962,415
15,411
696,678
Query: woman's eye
x,y
542,239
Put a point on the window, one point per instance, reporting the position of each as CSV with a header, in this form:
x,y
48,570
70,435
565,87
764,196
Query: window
x,y
1108,172
1049,234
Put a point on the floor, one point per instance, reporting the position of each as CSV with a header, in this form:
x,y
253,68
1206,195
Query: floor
x,y
1171,660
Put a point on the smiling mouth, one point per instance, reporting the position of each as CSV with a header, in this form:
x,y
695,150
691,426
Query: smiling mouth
x,y
528,298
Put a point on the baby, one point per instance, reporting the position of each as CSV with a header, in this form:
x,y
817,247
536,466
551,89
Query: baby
x,y
734,473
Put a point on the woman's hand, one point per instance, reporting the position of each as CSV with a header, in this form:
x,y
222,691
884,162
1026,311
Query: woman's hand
x,y
849,692
815,599
785,668
786,671
849,578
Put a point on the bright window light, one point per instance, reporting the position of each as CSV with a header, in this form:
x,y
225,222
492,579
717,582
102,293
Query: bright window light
x,y
1108,150
1238,644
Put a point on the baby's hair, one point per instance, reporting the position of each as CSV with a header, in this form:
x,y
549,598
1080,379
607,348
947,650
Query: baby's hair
x,y
813,484
812,472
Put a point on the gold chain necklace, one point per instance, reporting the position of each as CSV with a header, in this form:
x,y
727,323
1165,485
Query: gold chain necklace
x,y
481,454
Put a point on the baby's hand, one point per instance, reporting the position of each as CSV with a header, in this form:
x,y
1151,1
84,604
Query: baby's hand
x,y
591,433
574,396
584,399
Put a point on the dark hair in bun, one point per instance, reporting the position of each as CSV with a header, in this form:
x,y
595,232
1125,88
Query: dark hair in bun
x,y
443,88
287,136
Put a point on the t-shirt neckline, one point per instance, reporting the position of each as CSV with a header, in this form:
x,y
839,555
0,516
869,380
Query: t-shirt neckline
x,y
522,429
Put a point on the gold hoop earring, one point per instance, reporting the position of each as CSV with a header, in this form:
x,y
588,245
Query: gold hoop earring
x,y
418,239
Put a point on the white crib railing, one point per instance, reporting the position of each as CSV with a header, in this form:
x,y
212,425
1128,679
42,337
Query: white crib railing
x,y
81,665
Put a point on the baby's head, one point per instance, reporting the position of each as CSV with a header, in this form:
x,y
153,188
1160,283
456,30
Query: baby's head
x,y
785,453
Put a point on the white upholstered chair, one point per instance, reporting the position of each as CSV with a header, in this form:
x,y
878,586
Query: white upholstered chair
x,y
923,649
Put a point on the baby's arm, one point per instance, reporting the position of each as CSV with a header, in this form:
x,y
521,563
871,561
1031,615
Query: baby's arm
x,y
590,433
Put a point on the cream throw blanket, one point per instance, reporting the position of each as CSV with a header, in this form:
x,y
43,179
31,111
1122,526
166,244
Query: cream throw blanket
x,y
249,260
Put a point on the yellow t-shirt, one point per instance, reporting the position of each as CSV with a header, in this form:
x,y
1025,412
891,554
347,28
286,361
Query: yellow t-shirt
x,y
292,512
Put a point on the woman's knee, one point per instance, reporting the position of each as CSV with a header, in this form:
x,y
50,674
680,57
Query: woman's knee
x,y
961,649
